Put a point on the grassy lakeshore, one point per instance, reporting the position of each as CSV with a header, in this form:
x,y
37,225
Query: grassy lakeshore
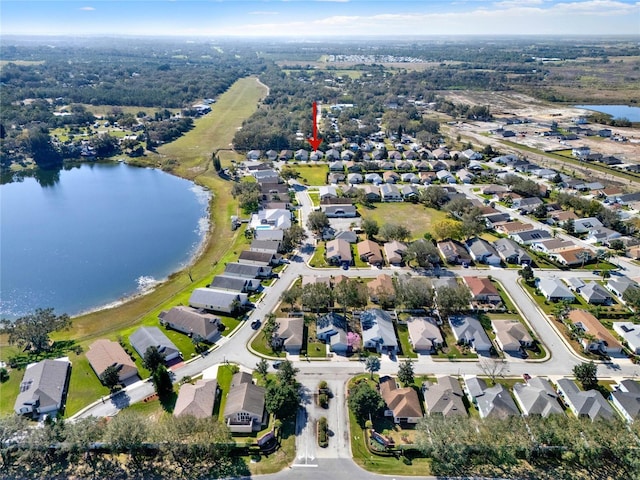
x,y
188,157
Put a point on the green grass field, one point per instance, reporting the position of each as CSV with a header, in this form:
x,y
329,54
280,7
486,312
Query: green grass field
x,y
312,174
417,218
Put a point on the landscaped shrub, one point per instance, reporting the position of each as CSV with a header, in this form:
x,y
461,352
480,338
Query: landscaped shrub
x,y
323,432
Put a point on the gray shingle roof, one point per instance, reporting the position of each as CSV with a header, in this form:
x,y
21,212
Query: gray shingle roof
x,y
537,397
44,383
145,337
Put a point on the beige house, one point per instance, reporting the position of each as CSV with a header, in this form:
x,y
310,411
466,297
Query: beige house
x,y
382,285
197,399
369,251
597,337
444,398
424,334
511,335
104,353
402,403
289,333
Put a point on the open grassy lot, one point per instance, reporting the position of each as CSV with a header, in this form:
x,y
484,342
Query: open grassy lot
x,y
417,218
104,110
318,260
190,158
312,174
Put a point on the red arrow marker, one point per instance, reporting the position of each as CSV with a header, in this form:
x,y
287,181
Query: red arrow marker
x,y
315,141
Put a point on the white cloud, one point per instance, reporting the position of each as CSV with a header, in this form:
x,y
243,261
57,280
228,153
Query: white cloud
x,y
87,9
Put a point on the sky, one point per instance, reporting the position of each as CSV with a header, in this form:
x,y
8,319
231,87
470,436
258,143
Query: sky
x,y
319,18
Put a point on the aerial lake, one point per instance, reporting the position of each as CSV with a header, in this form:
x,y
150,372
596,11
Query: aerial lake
x,y
100,233
616,111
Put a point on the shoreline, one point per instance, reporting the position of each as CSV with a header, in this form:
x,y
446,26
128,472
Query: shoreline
x,y
204,196
198,251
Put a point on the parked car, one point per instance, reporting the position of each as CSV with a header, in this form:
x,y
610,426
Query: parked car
x,y
256,324
277,364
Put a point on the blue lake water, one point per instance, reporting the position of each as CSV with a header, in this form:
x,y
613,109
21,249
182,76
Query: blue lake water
x,y
99,234
616,111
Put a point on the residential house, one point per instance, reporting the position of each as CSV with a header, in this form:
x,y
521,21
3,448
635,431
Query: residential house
x,y
105,353
483,291
263,234
510,252
327,191
289,334
470,154
630,333
390,177
588,403
427,178
483,252
301,155
602,235
372,193
193,322
559,217
266,176
334,178
553,245
573,257
308,279
369,251
146,337
444,398
354,178
537,397
494,219
381,287
216,300
394,252
597,338
445,176
530,236
273,218
390,193
491,402
468,331
595,294
453,252
554,290
339,211
254,155
626,398
286,155
465,176
513,227
348,235
409,191
244,270
402,403
244,410
494,189
526,205
269,246
619,285
196,399
410,178
574,283
337,166
43,388
584,225
332,154
273,192
378,331
511,335
332,329
258,258
424,334
338,252
374,178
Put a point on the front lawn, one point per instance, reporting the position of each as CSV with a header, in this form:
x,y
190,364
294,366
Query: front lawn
x,y
225,373
417,218
451,350
318,260
405,345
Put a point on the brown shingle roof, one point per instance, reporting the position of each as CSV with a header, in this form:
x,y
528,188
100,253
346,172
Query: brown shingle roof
x,y
103,353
